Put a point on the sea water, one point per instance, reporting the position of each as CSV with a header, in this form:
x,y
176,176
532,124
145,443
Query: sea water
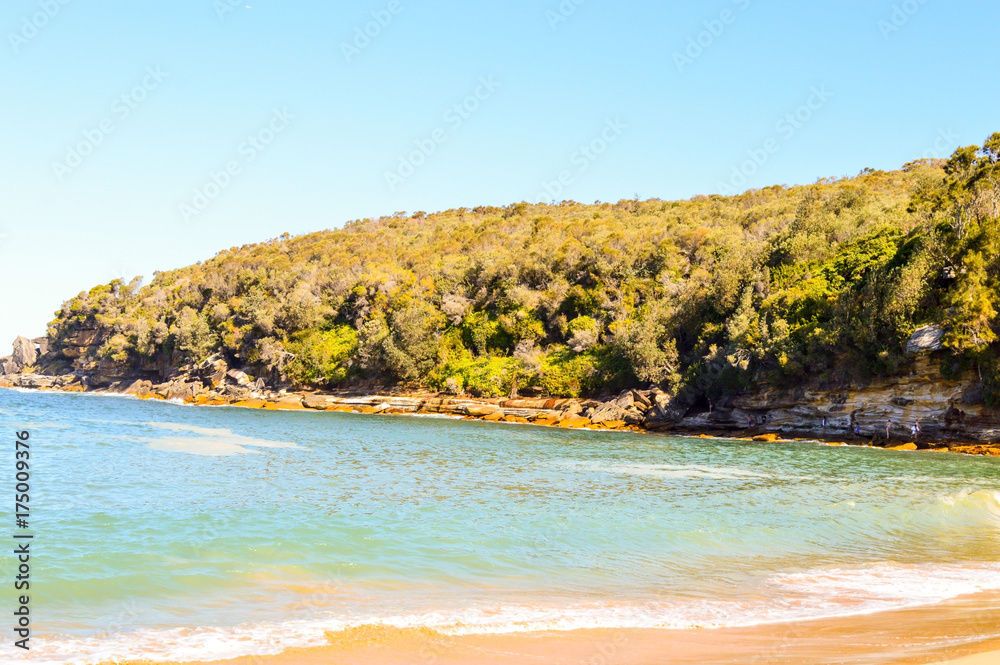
x,y
168,532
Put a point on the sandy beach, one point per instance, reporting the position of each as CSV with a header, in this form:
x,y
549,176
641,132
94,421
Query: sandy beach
x,y
961,632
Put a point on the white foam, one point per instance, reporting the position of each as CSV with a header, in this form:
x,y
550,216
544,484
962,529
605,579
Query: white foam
x,y
208,441
808,595
677,471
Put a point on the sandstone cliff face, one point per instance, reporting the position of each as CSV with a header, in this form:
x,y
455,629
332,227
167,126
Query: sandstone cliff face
x,y
946,410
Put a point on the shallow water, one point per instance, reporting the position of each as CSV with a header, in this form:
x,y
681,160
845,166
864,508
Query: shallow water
x,y
172,532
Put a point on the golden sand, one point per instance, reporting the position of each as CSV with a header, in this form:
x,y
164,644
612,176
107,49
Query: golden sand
x,y
960,632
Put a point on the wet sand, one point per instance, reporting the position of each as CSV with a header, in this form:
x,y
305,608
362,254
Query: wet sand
x,y
959,629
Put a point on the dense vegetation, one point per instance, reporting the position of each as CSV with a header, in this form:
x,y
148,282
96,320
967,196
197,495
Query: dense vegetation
x,y
705,297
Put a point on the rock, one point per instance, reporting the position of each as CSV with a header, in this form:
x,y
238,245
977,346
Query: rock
x,y
7,367
606,412
573,422
634,416
36,381
573,409
139,388
289,404
239,377
640,401
925,340
905,446
183,390
767,438
316,402
515,419
43,345
24,353
494,417
250,403
479,411
625,400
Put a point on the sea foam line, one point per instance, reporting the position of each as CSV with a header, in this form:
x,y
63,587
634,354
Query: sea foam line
x,y
809,595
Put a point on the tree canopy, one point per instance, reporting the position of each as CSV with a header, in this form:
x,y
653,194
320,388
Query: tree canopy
x,y
704,297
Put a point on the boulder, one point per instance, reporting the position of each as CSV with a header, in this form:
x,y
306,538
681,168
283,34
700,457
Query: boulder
x,y
479,410
633,416
925,340
139,388
43,345
286,404
183,390
24,353
626,400
606,412
316,402
641,402
7,366
767,438
239,377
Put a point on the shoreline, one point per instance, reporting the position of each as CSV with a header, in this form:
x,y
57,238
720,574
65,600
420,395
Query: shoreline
x,y
561,413
542,412
961,631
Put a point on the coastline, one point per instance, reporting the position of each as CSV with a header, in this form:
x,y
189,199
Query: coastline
x,y
560,413
958,632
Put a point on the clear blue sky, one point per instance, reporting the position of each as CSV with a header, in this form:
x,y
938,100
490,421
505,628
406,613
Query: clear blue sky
x,y
913,81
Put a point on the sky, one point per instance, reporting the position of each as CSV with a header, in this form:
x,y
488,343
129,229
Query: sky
x,y
146,135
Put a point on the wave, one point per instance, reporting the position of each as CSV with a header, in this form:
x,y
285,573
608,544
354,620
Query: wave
x,y
787,597
679,471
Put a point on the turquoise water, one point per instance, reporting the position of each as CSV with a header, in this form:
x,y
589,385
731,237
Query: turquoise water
x,y
164,531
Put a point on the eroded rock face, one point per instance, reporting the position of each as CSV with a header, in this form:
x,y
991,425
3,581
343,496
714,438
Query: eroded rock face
x,y
24,354
943,409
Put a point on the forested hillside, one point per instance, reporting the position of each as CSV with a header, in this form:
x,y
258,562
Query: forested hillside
x,y
703,297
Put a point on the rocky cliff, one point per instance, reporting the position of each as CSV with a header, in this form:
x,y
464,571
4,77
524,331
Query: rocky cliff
x,y
919,407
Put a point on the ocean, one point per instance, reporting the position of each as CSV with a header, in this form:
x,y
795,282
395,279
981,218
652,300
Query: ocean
x,y
170,532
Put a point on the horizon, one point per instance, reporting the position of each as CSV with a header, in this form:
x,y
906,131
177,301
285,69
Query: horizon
x,y
149,138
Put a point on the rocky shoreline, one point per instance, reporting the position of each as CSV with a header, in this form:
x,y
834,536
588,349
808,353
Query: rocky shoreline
x,y
883,414
631,411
